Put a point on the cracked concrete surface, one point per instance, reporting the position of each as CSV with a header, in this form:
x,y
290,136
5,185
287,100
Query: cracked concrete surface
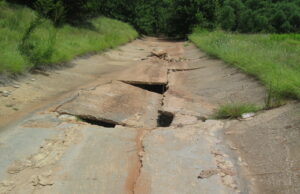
x,y
116,103
52,151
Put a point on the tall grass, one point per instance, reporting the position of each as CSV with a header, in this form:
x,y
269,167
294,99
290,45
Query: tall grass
x,y
70,41
273,59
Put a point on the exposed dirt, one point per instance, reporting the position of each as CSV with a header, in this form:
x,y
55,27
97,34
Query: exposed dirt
x,y
136,120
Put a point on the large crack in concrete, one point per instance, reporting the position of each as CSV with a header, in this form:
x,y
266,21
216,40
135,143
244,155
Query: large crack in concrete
x,y
137,162
164,119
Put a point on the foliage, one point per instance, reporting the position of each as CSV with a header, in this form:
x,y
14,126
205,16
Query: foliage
x,y
186,14
37,51
273,59
261,15
70,41
232,111
178,17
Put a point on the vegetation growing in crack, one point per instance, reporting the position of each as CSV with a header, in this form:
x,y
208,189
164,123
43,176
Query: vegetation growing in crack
x,y
232,111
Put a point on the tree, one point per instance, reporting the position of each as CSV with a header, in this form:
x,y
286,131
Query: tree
x,y
278,20
227,18
295,21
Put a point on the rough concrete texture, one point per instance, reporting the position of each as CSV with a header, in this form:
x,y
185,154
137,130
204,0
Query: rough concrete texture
x,y
173,159
179,100
102,163
267,147
218,83
145,73
24,139
50,153
117,103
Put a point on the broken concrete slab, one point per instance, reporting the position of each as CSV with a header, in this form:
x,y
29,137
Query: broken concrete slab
x,y
173,159
116,103
180,99
177,65
145,73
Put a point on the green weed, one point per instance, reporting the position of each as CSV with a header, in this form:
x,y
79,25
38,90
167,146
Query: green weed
x,y
232,111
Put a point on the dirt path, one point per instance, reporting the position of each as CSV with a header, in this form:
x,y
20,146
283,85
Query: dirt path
x,y
128,122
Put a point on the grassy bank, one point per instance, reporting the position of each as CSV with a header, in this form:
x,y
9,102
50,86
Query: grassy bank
x,y
103,33
273,59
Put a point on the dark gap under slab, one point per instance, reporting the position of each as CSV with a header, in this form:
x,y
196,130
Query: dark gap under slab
x,y
157,88
190,69
94,121
165,119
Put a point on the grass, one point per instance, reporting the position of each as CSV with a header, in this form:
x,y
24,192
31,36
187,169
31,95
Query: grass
x,y
70,41
274,59
232,111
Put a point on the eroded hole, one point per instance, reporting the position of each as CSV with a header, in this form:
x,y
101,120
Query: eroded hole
x,y
98,122
164,119
157,88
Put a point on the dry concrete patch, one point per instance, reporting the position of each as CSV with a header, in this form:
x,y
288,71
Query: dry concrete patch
x,y
116,103
271,164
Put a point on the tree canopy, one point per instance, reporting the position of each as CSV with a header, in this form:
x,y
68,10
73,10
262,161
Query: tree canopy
x,y
179,17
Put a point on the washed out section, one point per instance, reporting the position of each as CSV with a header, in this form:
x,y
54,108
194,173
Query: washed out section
x,y
116,103
157,88
164,119
94,121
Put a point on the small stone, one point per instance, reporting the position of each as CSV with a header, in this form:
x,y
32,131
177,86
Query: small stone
x,y
248,115
43,180
32,79
159,53
66,117
239,159
5,93
16,86
207,173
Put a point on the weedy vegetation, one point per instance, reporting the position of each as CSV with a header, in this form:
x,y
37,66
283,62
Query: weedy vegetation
x,y
272,58
232,111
